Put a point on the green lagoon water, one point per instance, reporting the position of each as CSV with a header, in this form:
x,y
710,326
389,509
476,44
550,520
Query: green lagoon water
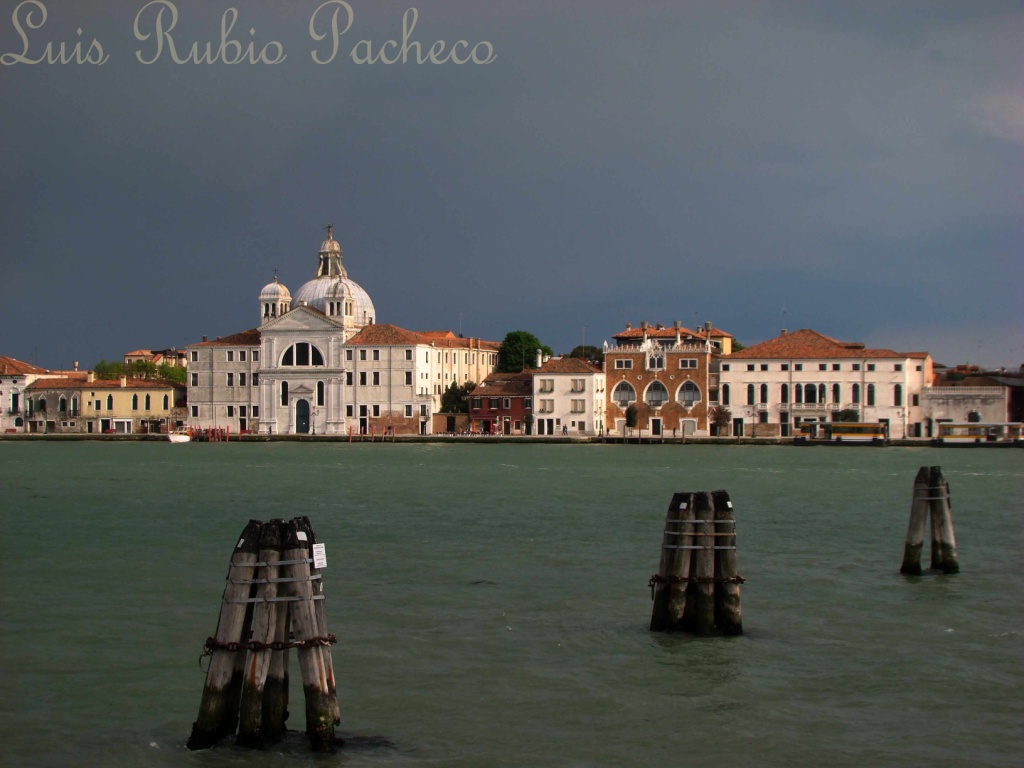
x,y
491,604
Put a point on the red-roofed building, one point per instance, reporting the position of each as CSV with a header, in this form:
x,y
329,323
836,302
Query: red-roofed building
x,y
773,387
668,374
319,363
502,404
78,403
569,397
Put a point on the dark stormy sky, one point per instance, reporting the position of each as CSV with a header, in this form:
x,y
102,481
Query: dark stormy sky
x,y
854,167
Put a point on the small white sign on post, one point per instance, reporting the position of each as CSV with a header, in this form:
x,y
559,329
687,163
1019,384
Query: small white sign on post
x,y
319,555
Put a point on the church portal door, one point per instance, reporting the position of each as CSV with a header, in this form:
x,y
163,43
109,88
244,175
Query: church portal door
x,y
302,417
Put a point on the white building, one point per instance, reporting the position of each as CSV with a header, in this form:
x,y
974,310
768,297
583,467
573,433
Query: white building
x,y
772,387
223,382
15,376
568,397
320,364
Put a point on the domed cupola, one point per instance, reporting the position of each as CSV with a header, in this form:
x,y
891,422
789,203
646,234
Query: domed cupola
x,y
275,300
333,293
330,257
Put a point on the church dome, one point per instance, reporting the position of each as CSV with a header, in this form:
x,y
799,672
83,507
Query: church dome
x,y
332,292
320,291
274,291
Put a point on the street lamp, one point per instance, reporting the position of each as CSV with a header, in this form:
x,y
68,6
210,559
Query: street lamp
x,y
314,413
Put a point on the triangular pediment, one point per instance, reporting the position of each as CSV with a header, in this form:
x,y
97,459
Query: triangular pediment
x,y
301,389
299,319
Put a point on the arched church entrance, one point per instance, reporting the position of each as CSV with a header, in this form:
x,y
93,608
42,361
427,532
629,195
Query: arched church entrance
x,y
302,417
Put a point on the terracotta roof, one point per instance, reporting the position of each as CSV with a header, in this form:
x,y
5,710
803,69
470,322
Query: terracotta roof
x,y
505,385
11,367
567,365
451,341
654,332
245,338
74,382
384,334
139,353
806,344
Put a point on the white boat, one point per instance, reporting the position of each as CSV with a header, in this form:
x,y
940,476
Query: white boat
x,y
180,435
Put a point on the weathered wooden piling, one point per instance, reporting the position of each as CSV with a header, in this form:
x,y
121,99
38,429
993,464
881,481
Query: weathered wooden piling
x,y
696,588
915,529
930,504
312,647
218,711
271,603
704,539
944,554
668,586
264,626
317,583
728,617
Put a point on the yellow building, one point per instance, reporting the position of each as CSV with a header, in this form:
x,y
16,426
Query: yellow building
x,y
96,406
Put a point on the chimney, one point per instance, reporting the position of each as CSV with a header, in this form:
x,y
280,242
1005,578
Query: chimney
x,y
76,366
782,332
91,377
643,327
677,325
629,326
124,382
204,339
540,359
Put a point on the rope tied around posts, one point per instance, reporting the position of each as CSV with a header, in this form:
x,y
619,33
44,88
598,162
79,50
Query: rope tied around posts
x,y
659,579
212,644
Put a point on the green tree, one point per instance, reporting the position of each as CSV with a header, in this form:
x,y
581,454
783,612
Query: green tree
x,y
738,346
847,414
140,369
176,373
108,370
518,352
454,400
588,352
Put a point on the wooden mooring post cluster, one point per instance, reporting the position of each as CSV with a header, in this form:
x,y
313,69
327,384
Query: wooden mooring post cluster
x,y
930,504
697,587
273,602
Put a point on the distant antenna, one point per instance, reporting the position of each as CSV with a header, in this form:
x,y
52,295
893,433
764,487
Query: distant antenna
x,y
460,325
584,338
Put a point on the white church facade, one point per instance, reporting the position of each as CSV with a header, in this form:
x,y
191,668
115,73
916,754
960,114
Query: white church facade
x,y
318,363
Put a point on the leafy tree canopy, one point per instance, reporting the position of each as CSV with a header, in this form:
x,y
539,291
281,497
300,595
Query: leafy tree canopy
x,y
588,352
453,399
518,352
720,416
847,414
138,369
175,373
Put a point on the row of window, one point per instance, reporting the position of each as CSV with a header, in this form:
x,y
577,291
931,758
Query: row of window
x,y
815,394
821,366
304,354
230,355
656,394
575,385
366,378
655,363
62,404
